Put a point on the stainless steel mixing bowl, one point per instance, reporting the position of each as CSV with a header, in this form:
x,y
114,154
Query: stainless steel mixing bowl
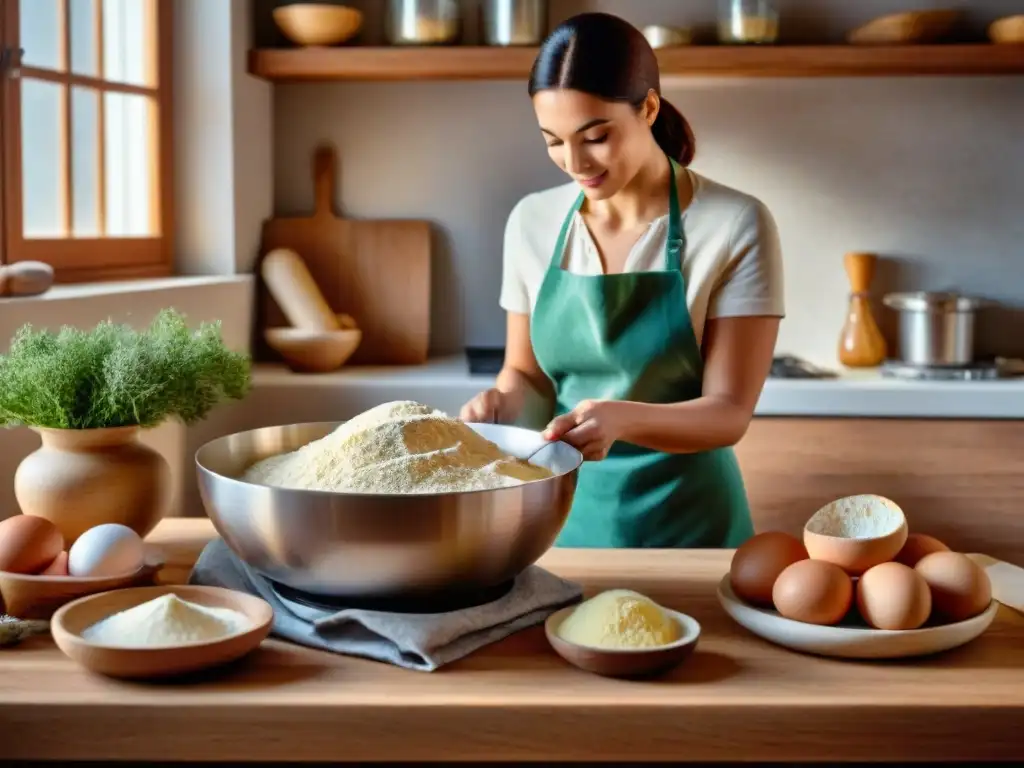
x,y
375,545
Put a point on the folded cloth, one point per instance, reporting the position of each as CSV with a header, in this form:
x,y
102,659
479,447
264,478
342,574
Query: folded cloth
x,y
424,641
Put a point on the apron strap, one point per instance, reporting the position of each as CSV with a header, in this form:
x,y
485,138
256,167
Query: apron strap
x,y
559,252
674,251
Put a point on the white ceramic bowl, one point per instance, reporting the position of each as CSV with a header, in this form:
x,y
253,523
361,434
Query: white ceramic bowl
x,y
851,642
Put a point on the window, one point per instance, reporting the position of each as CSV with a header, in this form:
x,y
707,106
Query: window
x,y
85,127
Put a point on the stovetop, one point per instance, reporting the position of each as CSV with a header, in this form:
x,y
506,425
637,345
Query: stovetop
x,y
485,360
995,369
982,371
791,367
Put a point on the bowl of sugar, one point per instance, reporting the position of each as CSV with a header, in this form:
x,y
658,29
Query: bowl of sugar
x,y
159,632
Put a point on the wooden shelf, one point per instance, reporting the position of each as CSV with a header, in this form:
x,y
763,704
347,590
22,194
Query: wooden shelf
x,y
482,63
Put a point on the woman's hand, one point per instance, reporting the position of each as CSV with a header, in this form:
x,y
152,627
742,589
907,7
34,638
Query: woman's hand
x,y
591,427
491,406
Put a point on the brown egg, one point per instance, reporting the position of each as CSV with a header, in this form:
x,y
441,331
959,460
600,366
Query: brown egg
x,y
28,543
960,587
759,561
918,545
813,591
893,596
59,567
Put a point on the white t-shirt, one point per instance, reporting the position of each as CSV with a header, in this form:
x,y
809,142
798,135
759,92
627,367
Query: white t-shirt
x,y
732,264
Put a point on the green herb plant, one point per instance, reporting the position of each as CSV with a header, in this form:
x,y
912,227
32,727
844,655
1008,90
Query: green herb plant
x,y
115,376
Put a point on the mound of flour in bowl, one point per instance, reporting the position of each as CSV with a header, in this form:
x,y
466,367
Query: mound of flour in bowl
x,y
397,447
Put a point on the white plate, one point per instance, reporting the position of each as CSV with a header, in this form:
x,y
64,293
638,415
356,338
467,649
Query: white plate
x,y
851,642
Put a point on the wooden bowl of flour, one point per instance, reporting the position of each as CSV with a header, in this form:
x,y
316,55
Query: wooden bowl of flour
x,y
71,620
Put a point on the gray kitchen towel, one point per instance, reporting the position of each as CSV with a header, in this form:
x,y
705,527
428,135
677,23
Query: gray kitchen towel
x,y
422,642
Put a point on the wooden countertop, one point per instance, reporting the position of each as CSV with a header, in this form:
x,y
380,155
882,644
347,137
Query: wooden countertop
x,y
737,698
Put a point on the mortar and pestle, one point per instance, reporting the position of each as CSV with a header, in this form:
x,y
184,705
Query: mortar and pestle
x,y
318,341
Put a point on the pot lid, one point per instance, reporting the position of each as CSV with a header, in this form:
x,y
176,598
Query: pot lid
x,y
937,301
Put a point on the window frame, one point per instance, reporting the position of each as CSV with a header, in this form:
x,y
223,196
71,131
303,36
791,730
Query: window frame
x,y
89,259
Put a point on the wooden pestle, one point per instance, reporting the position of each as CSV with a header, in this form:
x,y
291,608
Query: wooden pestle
x,y
288,279
25,278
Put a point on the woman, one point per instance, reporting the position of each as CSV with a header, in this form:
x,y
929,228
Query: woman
x,y
643,300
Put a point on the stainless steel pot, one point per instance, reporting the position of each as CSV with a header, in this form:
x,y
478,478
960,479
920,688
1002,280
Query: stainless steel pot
x,y
424,22
514,22
935,329
379,546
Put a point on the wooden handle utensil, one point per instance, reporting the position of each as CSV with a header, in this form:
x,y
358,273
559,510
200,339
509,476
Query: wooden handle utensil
x,y
290,283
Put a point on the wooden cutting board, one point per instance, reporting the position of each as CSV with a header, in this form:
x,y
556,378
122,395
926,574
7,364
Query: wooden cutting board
x,y
377,271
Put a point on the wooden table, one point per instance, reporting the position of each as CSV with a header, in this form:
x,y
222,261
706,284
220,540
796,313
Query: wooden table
x,y
737,698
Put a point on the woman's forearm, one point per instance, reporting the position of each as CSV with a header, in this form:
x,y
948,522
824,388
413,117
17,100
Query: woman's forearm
x,y
528,398
697,425
517,384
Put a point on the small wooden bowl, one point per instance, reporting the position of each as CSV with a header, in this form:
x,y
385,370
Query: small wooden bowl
x,y
624,662
38,597
71,620
909,28
310,24
855,554
314,351
1007,31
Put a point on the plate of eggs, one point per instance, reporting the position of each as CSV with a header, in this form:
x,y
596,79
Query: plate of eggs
x,y
859,585
39,572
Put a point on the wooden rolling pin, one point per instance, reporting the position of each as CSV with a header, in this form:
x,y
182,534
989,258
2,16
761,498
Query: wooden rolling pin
x,y
296,292
25,278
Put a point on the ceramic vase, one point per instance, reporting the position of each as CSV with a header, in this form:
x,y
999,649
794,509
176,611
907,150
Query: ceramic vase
x,y
79,479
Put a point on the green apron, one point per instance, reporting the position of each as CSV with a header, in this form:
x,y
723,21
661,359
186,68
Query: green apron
x,y
630,337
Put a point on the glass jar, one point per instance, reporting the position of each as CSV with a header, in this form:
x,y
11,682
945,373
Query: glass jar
x,y
747,22
424,22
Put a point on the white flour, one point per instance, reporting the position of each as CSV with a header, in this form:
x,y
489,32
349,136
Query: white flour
x,y
857,517
401,447
163,621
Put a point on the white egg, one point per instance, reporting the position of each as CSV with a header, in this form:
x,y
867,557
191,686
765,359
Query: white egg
x,y
110,549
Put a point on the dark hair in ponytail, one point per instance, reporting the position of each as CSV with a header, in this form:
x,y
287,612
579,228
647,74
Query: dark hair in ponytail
x,y
673,134
607,57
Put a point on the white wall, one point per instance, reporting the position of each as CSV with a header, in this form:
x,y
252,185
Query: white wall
x,y
222,139
928,172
